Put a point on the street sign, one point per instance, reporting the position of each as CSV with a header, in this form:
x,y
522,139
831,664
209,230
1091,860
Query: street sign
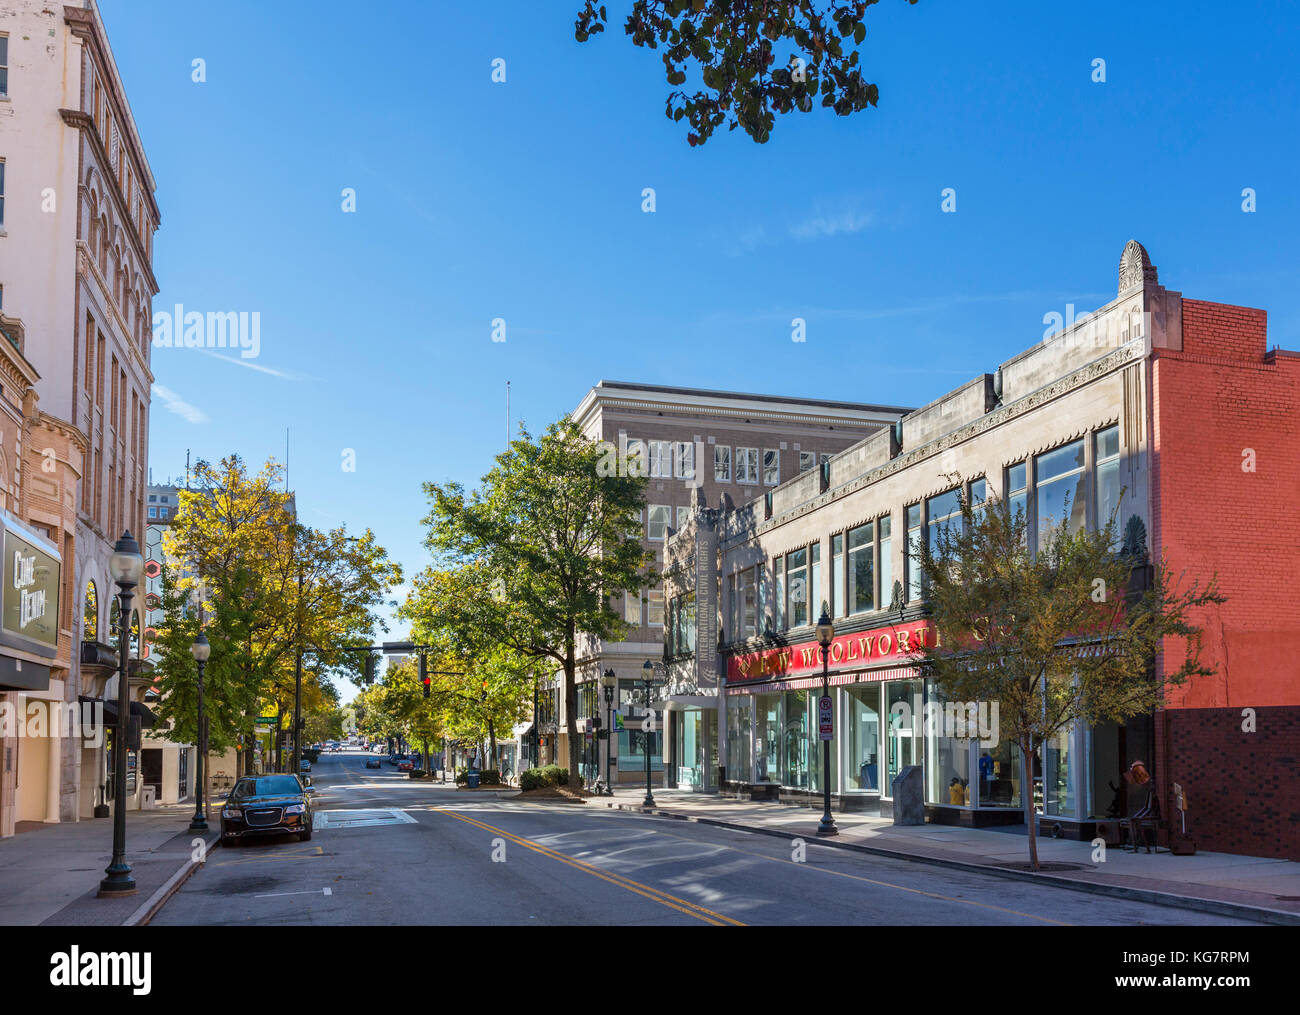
x,y
265,720
825,720
588,726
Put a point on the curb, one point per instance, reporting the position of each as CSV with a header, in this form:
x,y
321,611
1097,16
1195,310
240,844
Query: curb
x,y
149,909
1215,906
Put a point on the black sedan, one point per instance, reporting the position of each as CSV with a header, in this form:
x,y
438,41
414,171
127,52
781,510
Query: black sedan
x,y
372,763
266,805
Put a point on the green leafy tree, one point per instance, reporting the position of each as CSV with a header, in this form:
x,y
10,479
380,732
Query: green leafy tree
x,y
1057,636
529,561
752,59
271,586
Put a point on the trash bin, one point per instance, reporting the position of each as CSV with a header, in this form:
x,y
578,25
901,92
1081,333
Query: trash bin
x,y
147,798
472,778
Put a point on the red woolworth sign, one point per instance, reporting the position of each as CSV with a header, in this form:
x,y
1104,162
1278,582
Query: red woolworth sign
x,y
867,648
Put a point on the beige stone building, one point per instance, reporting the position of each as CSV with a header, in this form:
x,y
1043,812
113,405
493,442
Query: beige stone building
x,y
76,252
697,446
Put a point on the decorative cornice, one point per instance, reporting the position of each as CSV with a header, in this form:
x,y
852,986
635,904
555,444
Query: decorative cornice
x,y
1130,352
720,412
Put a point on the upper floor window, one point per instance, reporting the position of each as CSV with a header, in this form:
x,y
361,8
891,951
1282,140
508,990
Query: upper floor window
x,y
661,459
1018,489
807,460
861,587
635,451
2,195
746,465
685,462
913,559
796,572
659,519
1108,491
771,466
721,464
4,66
778,600
1059,489
943,511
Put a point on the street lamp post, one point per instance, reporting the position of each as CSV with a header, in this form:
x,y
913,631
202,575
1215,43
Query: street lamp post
x,y
647,726
609,681
201,650
126,565
825,635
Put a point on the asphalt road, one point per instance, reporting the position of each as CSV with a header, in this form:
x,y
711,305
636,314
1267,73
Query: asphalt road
x,y
389,851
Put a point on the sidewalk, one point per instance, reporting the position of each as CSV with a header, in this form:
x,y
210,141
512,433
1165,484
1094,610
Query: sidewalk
x,y
1251,887
50,875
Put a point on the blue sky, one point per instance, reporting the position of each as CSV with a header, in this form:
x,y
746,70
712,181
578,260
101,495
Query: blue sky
x,y
522,200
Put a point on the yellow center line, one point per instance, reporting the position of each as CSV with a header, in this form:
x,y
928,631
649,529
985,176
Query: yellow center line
x,y
653,894
884,884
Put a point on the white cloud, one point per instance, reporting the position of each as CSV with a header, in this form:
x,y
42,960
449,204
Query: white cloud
x,y
240,362
174,403
832,225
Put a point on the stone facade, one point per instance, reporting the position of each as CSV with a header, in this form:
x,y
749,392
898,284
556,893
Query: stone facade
x,y
83,288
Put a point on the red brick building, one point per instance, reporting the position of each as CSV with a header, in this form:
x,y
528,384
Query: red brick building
x,y
1172,416
1225,439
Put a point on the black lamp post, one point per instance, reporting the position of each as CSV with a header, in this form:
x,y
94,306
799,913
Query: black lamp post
x,y
126,564
201,650
609,681
647,727
825,635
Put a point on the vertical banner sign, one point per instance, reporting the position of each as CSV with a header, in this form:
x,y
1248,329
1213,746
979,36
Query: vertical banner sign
x,y
706,612
825,720
30,594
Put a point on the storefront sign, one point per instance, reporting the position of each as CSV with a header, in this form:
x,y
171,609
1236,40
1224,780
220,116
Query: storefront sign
x,y
825,719
894,644
31,594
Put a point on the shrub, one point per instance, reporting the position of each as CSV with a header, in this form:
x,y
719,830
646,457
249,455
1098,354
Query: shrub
x,y
462,776
532,778
418,773
489,777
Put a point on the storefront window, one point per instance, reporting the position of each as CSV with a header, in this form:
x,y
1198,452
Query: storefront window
x,y
1057,782
740,721
903,734
861,583
794,745
815,748
690,748
948,761
998,769
631,750
767,744
860,736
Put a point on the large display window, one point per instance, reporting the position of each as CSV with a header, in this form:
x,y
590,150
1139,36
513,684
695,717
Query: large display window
x,y
860,737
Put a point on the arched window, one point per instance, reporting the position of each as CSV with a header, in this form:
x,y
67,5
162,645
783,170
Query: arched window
x,y
114,621
90,613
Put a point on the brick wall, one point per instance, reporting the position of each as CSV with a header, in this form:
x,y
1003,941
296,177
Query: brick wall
x,y
1243,789
1220,329
1226,491
1225,443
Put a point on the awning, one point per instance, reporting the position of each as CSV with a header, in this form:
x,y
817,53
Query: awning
x,y
146,715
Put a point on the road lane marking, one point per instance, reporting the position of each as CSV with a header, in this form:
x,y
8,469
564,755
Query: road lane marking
x,y
279,895
653,894
884,884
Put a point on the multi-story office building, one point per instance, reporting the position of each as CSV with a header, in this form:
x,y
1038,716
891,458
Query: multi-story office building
x,y
1170,414
77,223
696,446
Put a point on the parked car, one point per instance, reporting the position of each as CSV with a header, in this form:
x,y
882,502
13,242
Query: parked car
x,y
266,805
304,765
405,765
372,763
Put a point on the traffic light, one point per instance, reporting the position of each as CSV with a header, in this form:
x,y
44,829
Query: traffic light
x,y
370,669
425,679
